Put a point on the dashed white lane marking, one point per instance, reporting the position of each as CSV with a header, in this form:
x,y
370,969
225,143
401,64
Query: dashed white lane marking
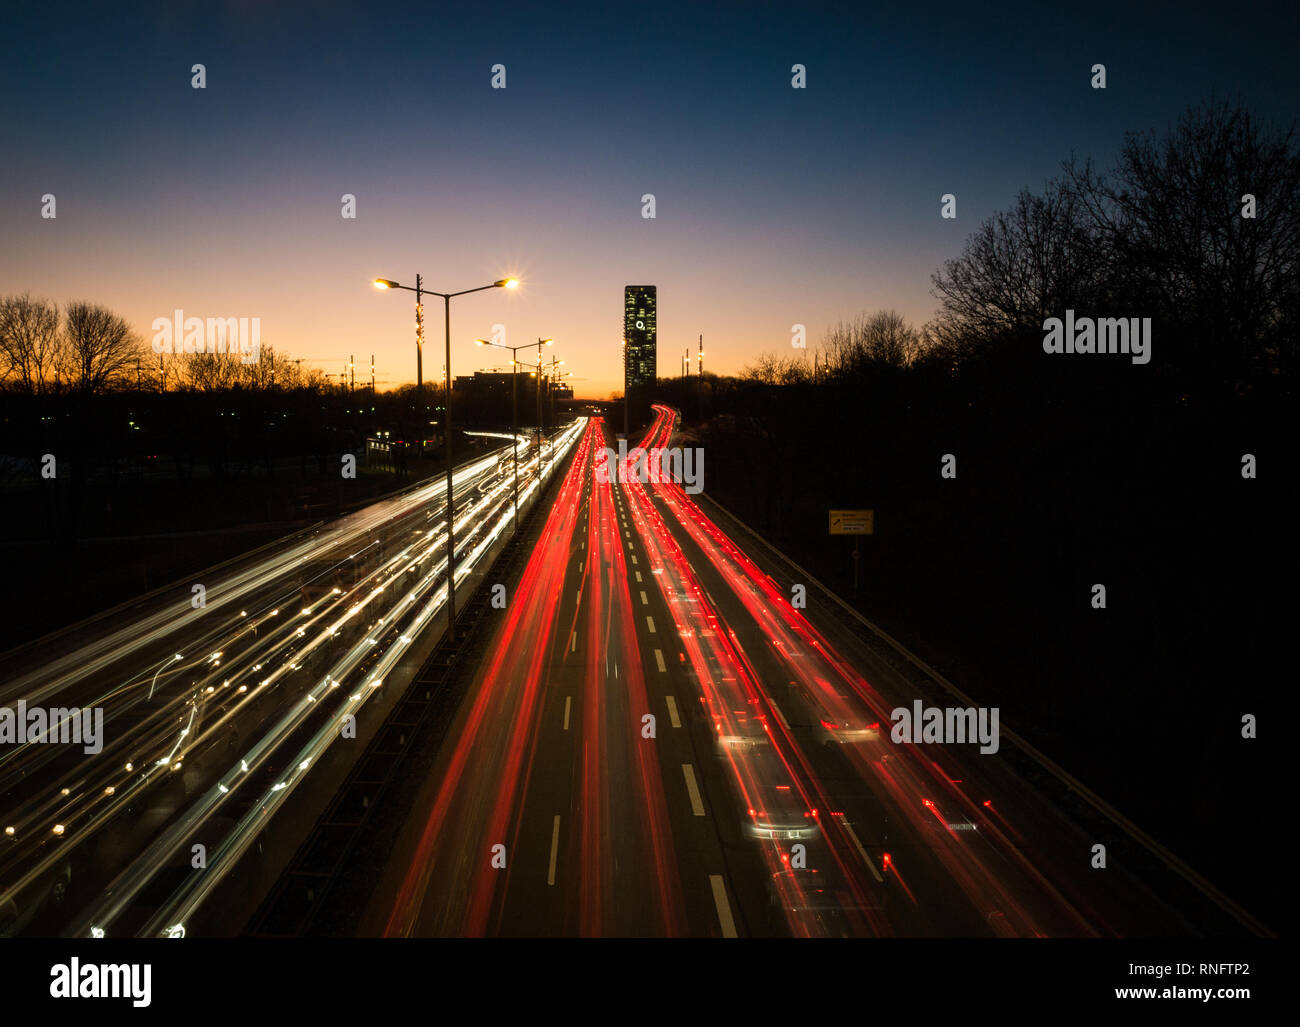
x,y
724,907
659,660
651,622
568,700
863,852
638,575
555,848
693,790
675,720
573,642
633,559
644,600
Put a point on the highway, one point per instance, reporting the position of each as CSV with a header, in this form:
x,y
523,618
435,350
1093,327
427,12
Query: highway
x,y
217,703
661,744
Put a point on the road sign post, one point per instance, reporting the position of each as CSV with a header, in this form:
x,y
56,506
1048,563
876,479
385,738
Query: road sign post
x,y
856,523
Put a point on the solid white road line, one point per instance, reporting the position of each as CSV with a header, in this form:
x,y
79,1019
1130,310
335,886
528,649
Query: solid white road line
x,y
555,847
693,790
863,852
675,720
724,907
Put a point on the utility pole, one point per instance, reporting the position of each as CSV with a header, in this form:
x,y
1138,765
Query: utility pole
x,y
551,384
451,494
419,340
540,460
386,283
514,432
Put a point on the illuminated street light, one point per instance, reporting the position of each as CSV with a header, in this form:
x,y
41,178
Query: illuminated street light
x,y
514,403
420,290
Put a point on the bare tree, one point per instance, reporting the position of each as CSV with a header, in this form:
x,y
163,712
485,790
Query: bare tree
x,y
29,343
266,371
769,369
889,339
206,372
1174,217
311,378
870,341
1020,267
100,349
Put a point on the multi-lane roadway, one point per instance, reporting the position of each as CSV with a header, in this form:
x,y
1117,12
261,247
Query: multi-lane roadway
x,y
663,743
675,732
218,700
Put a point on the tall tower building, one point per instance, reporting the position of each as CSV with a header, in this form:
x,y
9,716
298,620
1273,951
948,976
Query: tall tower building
x,y
639,355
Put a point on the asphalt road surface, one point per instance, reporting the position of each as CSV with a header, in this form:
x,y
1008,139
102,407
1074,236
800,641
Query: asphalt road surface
x,y
662,743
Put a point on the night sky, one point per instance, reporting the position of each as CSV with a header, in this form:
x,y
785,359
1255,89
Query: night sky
x,y
774,205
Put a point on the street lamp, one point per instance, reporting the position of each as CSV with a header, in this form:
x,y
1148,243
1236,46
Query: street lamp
x,y
540,344
514,409
419,290
557,383
550,383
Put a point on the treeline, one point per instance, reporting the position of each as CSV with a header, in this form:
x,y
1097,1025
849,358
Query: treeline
x,y
1198,229
87,349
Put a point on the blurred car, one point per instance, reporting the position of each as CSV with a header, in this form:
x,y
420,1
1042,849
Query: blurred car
x,y
738,730
843,731
837,718
784,815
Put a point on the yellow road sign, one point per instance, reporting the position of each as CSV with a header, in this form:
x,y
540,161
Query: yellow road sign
x,y
853,522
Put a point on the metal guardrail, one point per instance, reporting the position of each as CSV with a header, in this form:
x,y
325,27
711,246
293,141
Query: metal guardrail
x,y
1042,767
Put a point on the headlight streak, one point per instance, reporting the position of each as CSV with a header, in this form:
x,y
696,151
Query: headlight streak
x,y
226,622
479,525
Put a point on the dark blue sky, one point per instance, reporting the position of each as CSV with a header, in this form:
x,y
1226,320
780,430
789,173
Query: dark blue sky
x,y
774,205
